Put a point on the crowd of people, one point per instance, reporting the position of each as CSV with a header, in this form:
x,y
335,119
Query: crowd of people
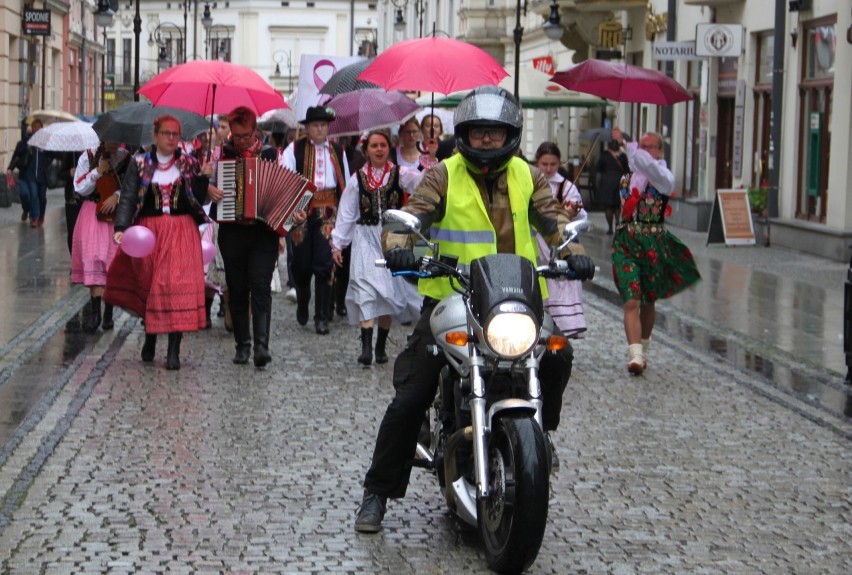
x,y
476,180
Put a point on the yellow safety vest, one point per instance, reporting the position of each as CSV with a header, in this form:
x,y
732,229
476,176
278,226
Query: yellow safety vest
x,y
466,230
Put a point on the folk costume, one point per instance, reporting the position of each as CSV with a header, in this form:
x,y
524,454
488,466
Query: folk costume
x,y
326,166
373,292
565,297
165,288
92,246
249,251
648,262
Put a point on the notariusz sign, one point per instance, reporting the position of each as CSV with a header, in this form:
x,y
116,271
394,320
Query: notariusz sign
x,y
36,22
675,51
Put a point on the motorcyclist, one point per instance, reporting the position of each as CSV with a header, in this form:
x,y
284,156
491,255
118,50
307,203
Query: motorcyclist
x,y
482,200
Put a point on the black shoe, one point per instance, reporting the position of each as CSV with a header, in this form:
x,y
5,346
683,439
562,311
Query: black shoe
x,y
341,310
366,357
173,354
321,326
221,312
107,323
149,347
93,321
243,353
554,459
371,513
381,340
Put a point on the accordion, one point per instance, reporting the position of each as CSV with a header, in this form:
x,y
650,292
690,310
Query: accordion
x,y
258,189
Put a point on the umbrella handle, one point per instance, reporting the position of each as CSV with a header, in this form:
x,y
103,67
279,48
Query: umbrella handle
x,y
588,154
212,111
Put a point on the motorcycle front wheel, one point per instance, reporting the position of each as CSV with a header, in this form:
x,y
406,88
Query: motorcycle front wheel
x,y
512,519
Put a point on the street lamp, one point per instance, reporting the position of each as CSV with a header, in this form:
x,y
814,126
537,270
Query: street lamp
x,y
518,36
206,18
279,57
169,29
104,14
553,28
400,5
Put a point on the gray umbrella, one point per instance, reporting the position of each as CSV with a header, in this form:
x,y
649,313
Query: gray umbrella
x,y
133,123
344,80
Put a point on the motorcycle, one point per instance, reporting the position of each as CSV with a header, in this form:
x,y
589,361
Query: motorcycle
x,y
486,443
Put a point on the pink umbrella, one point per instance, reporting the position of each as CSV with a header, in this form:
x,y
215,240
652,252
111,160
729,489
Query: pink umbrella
x,y
369,110
432,64
212,87
622,83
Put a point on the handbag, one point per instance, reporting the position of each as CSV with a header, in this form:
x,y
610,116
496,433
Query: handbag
x,y
10,180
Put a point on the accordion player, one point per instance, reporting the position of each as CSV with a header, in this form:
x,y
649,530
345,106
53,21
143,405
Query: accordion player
x,y
260,190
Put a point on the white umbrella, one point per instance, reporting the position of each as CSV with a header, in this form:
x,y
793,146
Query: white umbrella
x,y
65,137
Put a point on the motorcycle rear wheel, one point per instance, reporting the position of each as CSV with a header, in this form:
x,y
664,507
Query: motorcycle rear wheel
x,y
513,518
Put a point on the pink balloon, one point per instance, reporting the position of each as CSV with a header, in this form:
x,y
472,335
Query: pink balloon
x,y
138,241
208,251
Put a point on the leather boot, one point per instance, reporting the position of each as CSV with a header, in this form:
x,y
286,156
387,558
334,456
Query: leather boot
x,y
242,336
381,340
229,321
149,347
340,298
91,324
366,357
208,306
260,325
173,355
323,294
107,323
303,298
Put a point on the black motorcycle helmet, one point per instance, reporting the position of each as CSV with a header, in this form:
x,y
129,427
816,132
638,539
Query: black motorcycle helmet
x,y
488,106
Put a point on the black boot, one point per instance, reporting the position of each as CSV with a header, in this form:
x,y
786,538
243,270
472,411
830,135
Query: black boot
x,y
323,295
107,323
381,340
260,324
173,356
149,347
222,304
242,336
303,298
91,324
366,357
208,306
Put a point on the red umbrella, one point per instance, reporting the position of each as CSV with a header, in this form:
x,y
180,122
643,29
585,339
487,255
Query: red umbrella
x,y
622,83
212,87
369,110
433,64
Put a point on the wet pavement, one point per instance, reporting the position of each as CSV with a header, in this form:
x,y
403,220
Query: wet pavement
x,y
703,465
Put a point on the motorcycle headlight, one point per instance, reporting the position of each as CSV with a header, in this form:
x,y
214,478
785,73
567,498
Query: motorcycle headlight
x,y
511,334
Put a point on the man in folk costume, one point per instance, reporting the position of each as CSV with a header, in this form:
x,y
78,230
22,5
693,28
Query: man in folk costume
x,y
249,250
325,164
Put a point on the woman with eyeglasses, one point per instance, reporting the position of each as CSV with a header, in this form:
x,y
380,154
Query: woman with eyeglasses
x,y
648,262
164,190
407,153
374,296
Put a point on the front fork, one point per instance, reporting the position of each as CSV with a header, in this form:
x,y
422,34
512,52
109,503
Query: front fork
x,y
481,427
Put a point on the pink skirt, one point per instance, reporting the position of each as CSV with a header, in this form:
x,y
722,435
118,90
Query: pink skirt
x,y
92,248
166,288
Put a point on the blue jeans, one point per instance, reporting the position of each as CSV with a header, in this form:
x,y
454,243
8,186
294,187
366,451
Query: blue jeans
x,y
29,198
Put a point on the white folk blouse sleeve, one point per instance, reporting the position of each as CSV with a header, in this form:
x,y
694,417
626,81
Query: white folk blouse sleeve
x,y
85,177
347,215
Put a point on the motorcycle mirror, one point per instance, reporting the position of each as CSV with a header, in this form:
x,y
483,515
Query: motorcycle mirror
x,y
572,230
404,223
400,222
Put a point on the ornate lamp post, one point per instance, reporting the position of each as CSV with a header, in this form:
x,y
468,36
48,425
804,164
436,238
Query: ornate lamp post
x,y
280,56
166,48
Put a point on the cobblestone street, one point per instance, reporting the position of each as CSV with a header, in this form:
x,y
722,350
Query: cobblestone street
x,y
694,467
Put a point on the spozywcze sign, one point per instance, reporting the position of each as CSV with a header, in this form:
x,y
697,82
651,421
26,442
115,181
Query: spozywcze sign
x,y
36,22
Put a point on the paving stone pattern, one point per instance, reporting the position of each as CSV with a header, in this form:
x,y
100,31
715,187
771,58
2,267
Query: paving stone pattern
x,y
222,469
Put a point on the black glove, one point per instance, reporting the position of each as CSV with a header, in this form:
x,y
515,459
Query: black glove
x,y
583,267
400,259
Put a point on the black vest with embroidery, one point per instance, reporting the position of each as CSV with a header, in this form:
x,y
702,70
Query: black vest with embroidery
x,y
372,203
299,153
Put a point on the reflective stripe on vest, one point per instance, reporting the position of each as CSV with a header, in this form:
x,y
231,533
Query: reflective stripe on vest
x,y
466,230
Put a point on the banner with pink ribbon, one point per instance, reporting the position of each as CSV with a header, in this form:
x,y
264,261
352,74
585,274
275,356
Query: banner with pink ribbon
x,y
314,72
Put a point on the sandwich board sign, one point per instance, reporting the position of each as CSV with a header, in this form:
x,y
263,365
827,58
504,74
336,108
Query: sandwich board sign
x,y
730,219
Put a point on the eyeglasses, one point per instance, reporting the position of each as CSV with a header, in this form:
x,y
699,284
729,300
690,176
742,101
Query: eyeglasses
x,y
493,133
167,134
242,137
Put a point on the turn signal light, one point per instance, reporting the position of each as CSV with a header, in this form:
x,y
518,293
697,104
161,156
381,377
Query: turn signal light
x,y
556,342
456,338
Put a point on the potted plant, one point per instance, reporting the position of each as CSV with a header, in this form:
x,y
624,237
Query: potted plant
x,y
758,199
